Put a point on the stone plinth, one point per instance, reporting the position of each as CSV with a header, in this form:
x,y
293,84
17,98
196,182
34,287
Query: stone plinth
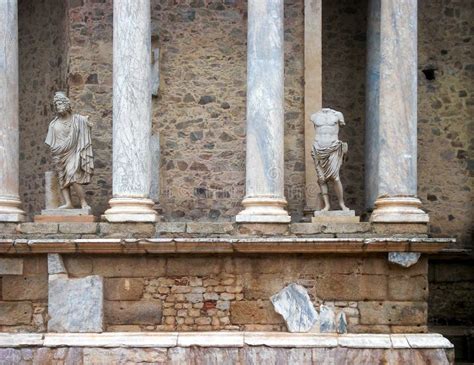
x,y
65,215
335,216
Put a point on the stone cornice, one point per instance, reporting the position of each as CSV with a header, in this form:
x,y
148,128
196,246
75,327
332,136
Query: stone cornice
x,y
224,339
228,245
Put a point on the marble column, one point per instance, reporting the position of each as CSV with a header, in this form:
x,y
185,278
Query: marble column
x,y
391,130
264,201
131,113
9,108
312,98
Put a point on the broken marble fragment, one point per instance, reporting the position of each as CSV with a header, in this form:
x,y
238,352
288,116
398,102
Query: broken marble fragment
x,y
405,259
327,319
55,264
341,323
294,305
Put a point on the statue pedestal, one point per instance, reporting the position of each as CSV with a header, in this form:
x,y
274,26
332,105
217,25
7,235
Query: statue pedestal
x,y
335,216
65,215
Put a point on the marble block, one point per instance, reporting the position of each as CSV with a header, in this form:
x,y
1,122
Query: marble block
x,y
66,212
294,305
335,216
76,305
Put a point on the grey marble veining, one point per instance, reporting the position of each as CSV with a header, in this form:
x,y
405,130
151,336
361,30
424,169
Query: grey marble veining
x,y
131,99
391,109
265,112
9,109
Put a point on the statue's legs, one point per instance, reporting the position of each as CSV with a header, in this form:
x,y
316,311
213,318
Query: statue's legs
x,y
66,192
340,193
82,196
325,194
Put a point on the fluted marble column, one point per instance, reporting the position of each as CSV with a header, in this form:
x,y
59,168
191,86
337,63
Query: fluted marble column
x,y
264,200
391,130
131,113
9,133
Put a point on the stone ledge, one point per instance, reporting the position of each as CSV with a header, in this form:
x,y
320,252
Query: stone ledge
x,y
224,245
225,339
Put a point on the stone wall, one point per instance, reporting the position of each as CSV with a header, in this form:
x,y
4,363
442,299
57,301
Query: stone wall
x,y
43,68
445,122
226,292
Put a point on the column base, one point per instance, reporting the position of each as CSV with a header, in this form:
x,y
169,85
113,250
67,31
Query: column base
x,y
130,210
10,210
398,209
263,210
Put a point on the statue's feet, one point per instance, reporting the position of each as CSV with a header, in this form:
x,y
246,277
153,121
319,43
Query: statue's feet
x,y
66,206
344,208
325,209
85,206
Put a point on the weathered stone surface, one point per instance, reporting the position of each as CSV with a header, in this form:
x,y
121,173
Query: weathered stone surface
x,y
127,229
123,288
11,266
399,228
133,312
25,287
405,259
327,320
209,228
294,305
82,228
76,305
33,228
256,312
8,228
55,264
352,287
314,228
128,266
413,288
15,313
262,229
170,227
399,313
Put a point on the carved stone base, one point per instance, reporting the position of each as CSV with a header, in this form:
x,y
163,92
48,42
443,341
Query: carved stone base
x,y
335,216
65,216
263,210
399,209
130,210
10,210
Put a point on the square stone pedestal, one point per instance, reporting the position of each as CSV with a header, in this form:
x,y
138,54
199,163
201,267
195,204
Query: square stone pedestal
x,y
335,216
65,215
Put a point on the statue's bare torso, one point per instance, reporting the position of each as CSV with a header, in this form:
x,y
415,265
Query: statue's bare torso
x,y
326,123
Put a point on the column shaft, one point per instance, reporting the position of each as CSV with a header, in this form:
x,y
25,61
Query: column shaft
x,y
265,201
391,132
9,113
312,97
131,113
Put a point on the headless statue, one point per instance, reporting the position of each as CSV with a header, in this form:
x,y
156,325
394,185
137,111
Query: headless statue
x,y
328,153
69,138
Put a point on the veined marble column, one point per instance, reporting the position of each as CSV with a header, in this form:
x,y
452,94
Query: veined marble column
x,y
391,131
9,133
264,200
131,114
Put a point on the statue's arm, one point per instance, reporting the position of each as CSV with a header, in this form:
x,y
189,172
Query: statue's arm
x,y
340,117
88,122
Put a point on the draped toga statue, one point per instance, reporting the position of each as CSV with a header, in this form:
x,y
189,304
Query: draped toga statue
x,y
69,138
328,153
